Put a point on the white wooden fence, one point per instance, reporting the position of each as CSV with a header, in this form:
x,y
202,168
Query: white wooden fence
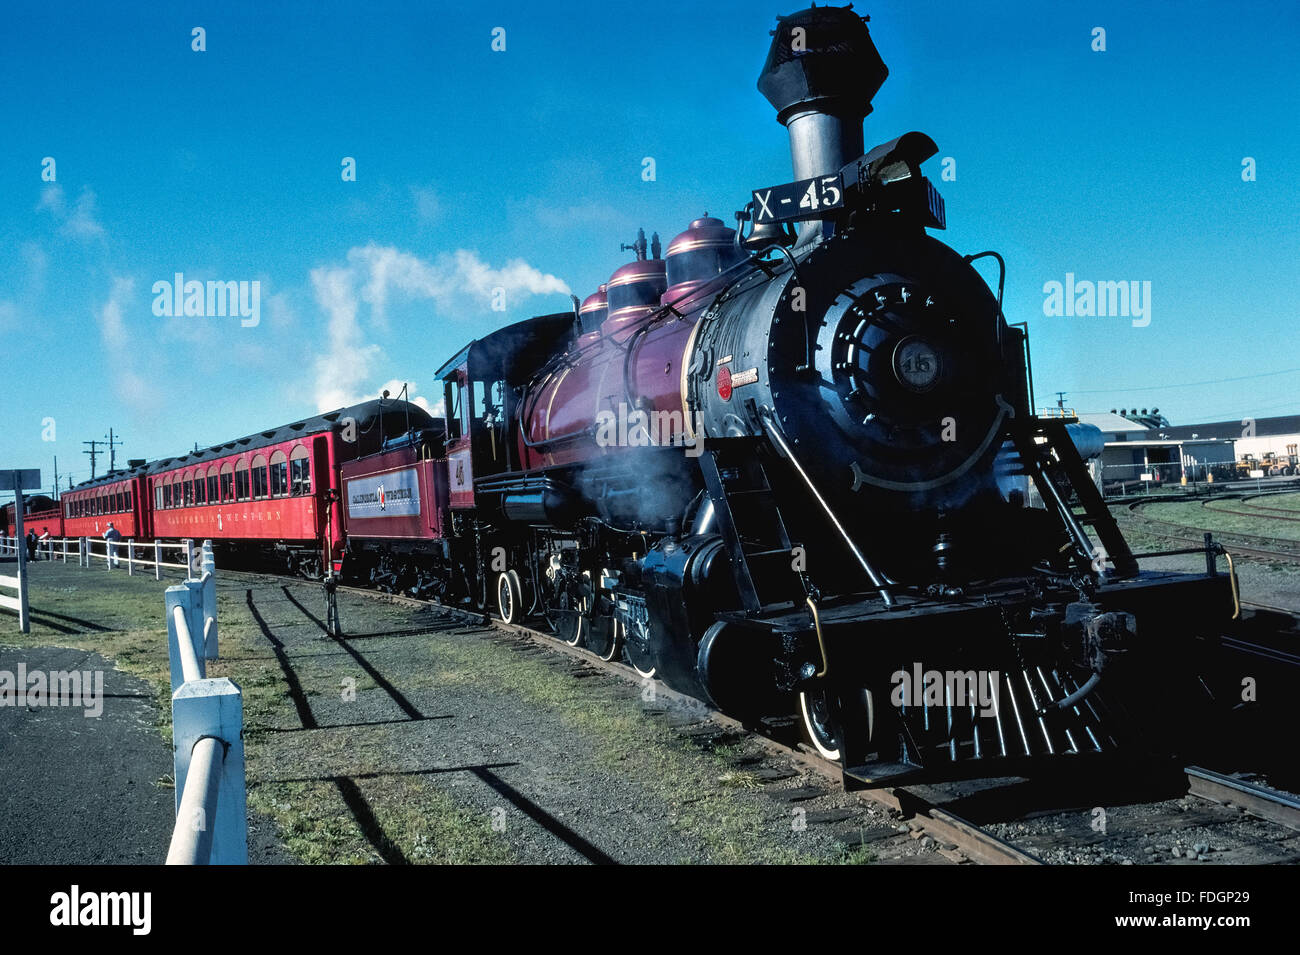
x,y
18,603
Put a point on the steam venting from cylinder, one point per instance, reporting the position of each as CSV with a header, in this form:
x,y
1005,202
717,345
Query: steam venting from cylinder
x,y
821,74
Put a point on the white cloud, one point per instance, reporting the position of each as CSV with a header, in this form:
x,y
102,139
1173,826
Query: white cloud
x,y
37,263
77,221
138,388
281,310
394,388
457,283
551,216
82,223
112,329
347,360
428,207
52,200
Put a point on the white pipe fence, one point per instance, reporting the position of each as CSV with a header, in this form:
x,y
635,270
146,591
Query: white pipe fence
x,y
207,732
207,715
116,553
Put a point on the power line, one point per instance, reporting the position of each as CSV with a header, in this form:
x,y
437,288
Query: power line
x,y
1187,384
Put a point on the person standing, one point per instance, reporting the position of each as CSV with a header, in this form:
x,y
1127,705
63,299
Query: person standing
x,y
112,535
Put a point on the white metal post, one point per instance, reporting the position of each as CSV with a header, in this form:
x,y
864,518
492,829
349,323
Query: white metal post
x,y
24,617
208,583
81,552
189,557
209,560
203,710
157,560
130,552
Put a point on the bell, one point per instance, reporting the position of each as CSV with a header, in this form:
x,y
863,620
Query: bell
x,y
765,234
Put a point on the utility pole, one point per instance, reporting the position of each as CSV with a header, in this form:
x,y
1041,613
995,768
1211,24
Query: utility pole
x,y
1060,400
112,454
56,477
92,452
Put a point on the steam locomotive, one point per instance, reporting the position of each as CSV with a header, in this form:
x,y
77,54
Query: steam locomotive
x,y
792,468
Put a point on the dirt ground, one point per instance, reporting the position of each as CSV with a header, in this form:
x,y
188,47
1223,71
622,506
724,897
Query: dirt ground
x,y
416,739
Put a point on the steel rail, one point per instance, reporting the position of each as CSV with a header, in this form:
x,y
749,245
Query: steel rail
x,y
1270,804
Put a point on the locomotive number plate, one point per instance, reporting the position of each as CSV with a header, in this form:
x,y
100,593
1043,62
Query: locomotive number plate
x,y
805,199
916,364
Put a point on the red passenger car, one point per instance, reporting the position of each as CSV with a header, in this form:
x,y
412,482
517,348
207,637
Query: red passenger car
x,y
273,493
115,497
41,513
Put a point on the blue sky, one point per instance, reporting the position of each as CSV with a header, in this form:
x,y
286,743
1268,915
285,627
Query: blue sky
x,y
522,169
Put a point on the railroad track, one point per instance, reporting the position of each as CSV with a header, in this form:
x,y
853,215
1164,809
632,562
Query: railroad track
x,y
1291,611
1255,510
968,841
1228,539
1209,800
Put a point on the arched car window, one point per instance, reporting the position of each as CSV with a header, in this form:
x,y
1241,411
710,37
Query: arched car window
x,y
242,488
300,471
259,478
279,473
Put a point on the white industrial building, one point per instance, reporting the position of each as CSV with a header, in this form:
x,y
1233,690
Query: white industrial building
x,y
1273,443
1144,450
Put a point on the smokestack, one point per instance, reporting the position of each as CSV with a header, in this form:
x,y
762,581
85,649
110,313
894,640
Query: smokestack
x,y
821,74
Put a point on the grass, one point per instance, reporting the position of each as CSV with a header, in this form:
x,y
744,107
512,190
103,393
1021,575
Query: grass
x,y
700,783
1193,515
314,822
704,800
1289,502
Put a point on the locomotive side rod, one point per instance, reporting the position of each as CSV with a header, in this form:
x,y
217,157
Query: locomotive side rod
x,y
778,436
